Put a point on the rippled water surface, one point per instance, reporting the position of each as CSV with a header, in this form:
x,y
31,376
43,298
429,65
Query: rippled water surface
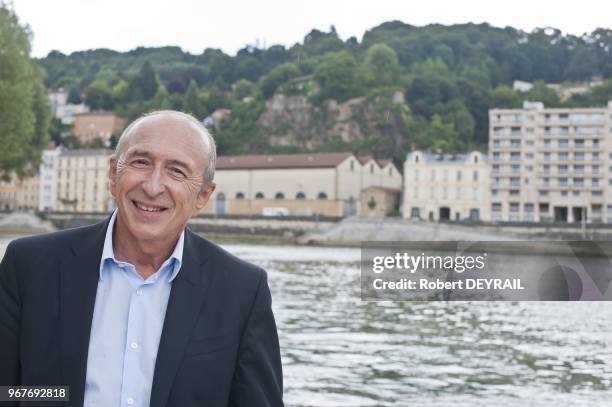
x,y
340,351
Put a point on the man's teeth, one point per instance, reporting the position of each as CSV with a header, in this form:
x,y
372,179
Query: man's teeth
x,y
147,208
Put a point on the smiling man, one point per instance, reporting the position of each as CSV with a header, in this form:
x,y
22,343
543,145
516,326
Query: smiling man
x,y
138,310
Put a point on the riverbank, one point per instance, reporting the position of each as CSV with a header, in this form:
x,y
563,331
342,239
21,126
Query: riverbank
x,y
328,231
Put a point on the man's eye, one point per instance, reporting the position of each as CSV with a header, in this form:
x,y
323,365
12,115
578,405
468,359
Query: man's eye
x,y
139,162
177,171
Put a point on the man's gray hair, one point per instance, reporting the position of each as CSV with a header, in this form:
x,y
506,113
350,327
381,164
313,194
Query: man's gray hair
x,y
209,171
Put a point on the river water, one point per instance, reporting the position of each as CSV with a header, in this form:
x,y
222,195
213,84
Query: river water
x,y
340,351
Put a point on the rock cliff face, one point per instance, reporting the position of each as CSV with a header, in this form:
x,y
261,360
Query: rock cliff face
x,y
294,121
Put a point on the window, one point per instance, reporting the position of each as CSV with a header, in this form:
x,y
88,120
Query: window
x,y
322,195
595,169
239,195
279,196
496,207
543,193
515,168
595,156
563,143
562,169
562,182
595,182
433,175
578,182
579,168
565,156
514,207
543,208
475,176
459,172
515,181
353,164
514,192
371,168
390,171
596,193
514,156
300,195
259,195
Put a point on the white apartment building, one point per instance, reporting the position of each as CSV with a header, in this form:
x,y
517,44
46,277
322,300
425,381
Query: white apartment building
x,y
48,171
446,187
551,164
61,109
82,181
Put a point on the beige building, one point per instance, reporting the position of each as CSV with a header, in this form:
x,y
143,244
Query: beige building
x,y
445,187
97,125
297,184
27,192
19,193
551,164
82,181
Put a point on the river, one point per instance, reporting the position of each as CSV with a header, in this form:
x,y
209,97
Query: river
x,y
340,351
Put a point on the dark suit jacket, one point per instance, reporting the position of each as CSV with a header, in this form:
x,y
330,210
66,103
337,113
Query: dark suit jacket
x,y
219,345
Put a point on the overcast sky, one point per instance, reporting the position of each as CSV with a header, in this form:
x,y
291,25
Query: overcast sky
x,y
74,25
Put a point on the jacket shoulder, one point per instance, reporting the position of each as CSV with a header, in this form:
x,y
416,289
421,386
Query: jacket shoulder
x,y
55,242
226,261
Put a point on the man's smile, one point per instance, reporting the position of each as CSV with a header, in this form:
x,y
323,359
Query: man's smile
x,y
148,207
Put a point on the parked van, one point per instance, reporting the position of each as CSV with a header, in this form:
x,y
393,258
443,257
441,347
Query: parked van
x,y
275,211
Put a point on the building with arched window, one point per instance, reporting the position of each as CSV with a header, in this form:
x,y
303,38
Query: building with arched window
x,y
302,184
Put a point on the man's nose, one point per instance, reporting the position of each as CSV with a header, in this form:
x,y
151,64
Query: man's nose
x,y
155,184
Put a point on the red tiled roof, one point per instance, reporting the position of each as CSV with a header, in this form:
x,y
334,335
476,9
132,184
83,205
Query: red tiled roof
x,y
281,160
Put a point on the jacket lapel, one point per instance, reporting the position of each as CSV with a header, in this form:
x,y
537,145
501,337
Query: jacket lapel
x,y
186,299
78,284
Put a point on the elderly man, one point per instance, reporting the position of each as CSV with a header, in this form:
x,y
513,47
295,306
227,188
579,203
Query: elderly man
x,y
138,310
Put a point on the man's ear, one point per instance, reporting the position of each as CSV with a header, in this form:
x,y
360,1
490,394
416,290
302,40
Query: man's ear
x,y
112,175
204,195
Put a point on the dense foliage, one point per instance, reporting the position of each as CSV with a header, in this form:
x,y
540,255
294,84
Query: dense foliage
x,y
24,112
450,77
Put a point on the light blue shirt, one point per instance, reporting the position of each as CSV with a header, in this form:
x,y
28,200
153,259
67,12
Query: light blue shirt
x,y
126,327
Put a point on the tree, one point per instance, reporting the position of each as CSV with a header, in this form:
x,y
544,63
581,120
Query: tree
x,y
381,67
505,97
279,75
98,95
242,89
192,103
24,113
144,85
542,93
336,75
74,95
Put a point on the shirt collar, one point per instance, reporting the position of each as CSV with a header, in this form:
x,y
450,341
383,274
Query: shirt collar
x,y
108,252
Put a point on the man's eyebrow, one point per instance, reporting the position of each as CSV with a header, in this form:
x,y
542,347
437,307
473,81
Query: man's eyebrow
x,y
138,152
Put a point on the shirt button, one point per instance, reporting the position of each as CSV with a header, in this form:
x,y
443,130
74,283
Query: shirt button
x,y
133,345
139,291
130,401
